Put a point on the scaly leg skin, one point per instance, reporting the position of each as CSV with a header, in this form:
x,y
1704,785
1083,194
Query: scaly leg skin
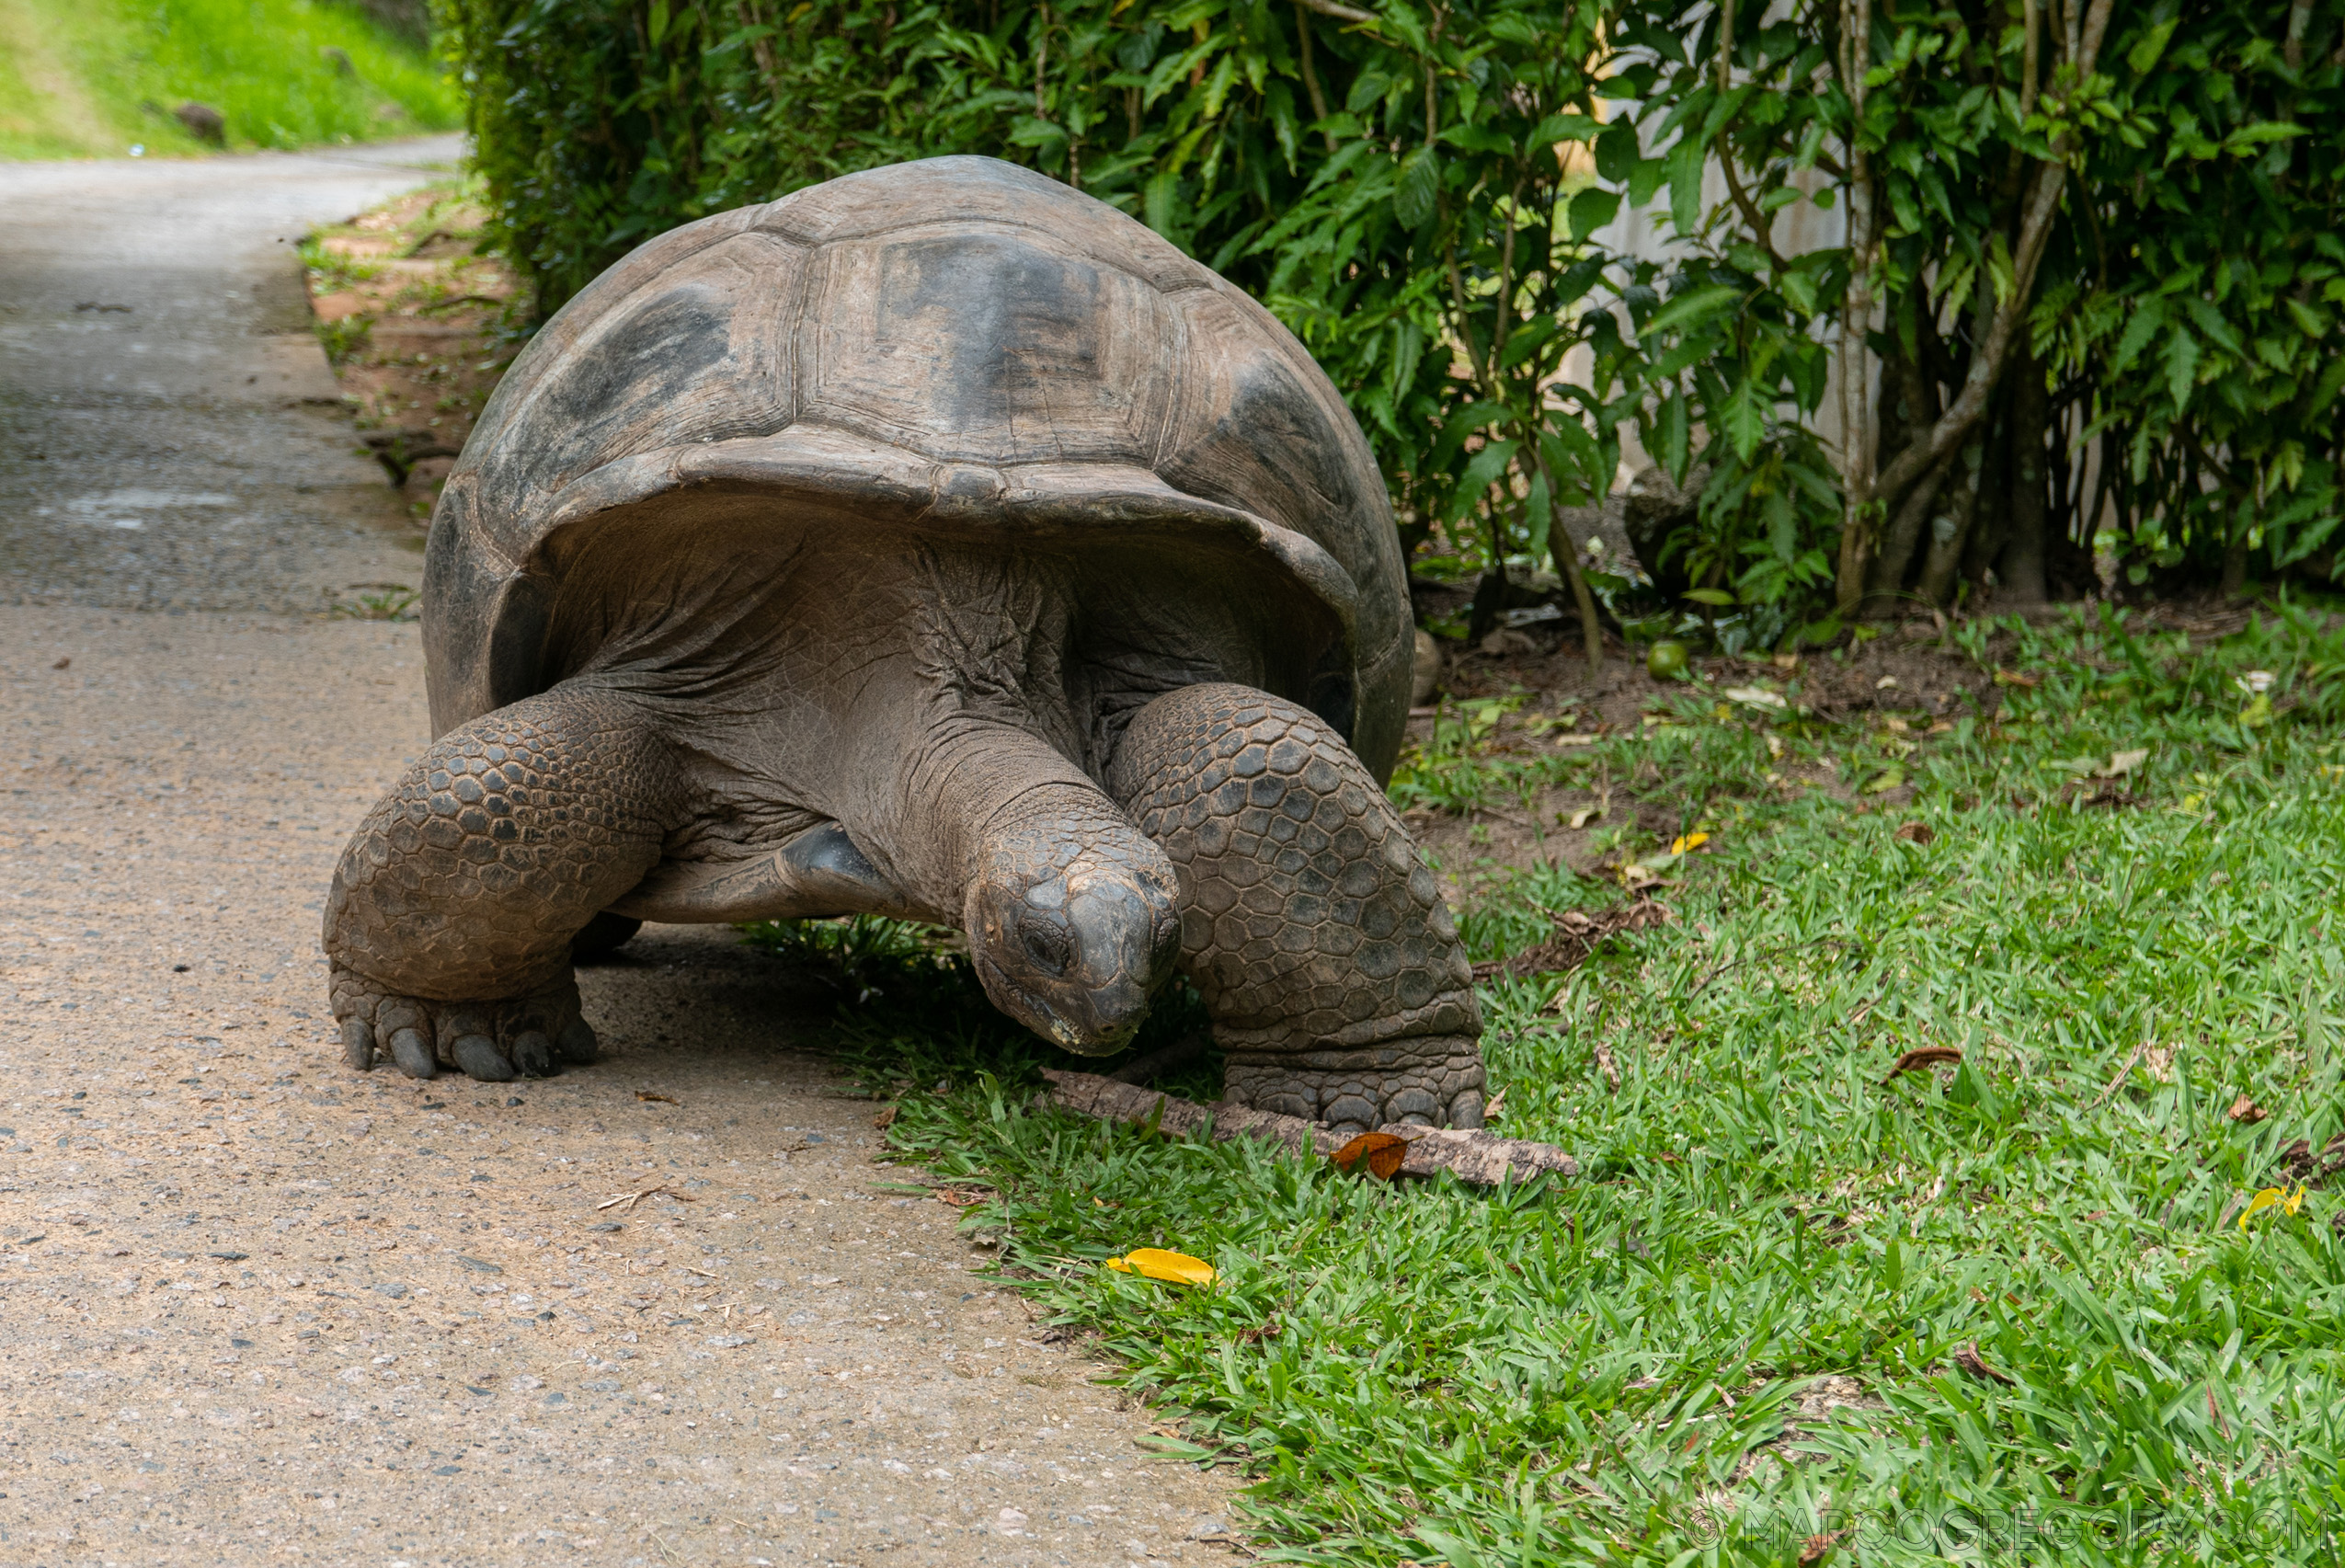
x,y
452,914
1333,971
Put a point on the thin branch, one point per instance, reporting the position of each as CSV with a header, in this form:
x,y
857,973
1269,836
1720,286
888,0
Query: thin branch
x,y
1483,1158
1474,349
2300,21
1856,318
1762,230
1432,95
1341,13
1310,72
1505,277
2027,78
1568,557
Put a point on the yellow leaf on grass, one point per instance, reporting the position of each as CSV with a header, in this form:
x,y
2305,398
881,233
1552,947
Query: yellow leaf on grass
x,y
1155,1262
2272,1198
1689,842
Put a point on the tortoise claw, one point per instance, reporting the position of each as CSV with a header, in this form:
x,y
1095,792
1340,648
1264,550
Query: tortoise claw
x,y
532,1054
478,1055
413,1053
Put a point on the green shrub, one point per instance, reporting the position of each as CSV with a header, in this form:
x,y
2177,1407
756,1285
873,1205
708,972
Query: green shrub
x,y
1386,183
1419,194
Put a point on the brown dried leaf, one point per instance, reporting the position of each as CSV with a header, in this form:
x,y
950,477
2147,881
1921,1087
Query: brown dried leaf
x,y
1816,1548
662,1099
1382,1150
1917,833
1967,1356
1923,1056
2247,1110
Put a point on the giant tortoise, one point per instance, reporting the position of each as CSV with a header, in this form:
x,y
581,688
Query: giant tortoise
x,y
935,543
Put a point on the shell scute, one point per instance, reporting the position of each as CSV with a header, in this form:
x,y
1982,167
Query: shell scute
x,y
978,344
956,346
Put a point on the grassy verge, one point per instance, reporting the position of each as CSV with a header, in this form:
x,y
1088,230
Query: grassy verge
x,y
93,78
1802,1307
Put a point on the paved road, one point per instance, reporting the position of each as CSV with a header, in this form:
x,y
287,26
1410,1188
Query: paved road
x,y
255,1308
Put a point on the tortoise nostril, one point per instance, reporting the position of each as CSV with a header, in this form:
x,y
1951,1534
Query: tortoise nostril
x,y
1048,945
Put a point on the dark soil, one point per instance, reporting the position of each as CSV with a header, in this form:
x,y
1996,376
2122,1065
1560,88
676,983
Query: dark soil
x,y
1909,675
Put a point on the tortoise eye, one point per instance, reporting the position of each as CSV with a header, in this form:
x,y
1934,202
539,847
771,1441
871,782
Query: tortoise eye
x,y
1048,945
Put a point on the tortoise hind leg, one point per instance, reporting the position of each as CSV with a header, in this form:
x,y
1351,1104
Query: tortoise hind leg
x,y
451,917
1331,967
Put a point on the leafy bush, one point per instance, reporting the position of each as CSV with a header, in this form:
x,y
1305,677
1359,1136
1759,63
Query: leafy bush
x,y
1385,183
2099,239
2106,231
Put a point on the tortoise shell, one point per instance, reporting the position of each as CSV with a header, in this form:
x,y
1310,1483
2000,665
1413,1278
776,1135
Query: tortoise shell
x,y
956,345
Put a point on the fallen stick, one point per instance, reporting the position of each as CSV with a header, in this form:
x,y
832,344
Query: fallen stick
x,y
1483,1158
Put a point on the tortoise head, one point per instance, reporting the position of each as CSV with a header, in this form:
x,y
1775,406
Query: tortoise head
x,y
1072,924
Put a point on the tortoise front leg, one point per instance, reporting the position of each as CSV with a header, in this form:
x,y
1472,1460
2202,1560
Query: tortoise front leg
x,y
1331,967
451,918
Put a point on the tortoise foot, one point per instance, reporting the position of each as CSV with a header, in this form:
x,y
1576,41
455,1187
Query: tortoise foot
x,y
494,1040
1428,1081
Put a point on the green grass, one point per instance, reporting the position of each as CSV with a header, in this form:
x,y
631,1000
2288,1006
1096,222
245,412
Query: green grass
x,y
82,78
1610,1369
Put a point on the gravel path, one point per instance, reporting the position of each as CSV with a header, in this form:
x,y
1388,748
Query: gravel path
x,y
256,1307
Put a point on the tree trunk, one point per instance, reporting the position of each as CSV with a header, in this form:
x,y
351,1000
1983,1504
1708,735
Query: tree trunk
x,y
1950,528
1886,586
1859,200
1565,551
2002,325
1991,519
2022,565
2235,563
1490,599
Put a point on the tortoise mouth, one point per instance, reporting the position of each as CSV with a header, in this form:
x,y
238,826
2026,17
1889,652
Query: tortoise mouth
x,y
1089,1037
1080,967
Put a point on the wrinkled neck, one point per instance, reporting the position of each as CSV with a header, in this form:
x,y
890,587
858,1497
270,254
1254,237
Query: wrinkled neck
x,y
982,789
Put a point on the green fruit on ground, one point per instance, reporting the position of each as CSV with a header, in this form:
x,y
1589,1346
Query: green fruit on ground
x,y
1667,659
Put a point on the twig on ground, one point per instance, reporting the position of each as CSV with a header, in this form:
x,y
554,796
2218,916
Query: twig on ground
x,y
400,451
2119,1078
1483,1158
630,1199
